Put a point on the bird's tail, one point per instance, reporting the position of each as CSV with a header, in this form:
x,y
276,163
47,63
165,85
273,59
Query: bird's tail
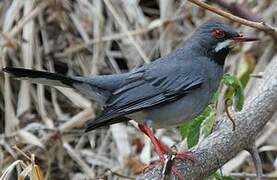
x,y
54,79
41,77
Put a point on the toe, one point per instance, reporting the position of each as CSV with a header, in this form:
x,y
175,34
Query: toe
x,y
185,156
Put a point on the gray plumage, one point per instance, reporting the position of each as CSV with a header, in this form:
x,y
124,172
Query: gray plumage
x,y
164,93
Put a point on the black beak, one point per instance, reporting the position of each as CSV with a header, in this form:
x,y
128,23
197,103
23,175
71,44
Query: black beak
x,y
242,38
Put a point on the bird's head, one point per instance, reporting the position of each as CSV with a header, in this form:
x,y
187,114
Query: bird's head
x,y
217,39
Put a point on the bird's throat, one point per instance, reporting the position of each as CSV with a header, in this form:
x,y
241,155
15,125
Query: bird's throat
x,y
220,56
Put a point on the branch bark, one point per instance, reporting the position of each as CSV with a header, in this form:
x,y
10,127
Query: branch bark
x,y
223,144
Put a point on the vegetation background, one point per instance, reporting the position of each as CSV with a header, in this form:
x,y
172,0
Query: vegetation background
x,y
42,127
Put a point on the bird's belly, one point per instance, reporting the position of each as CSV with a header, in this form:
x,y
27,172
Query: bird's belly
x,y
175,113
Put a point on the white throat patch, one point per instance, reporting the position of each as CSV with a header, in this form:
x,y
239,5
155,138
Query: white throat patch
x,y
223,45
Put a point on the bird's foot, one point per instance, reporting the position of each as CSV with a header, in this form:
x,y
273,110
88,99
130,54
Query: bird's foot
x,y
167,164
173,170
166,155
185,156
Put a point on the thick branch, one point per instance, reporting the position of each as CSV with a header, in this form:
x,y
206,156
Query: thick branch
x,y
223,144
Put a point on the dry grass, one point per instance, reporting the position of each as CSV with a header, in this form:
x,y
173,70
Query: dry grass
x,y
99,37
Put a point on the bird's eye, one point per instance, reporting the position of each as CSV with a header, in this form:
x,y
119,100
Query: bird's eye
x,y
218,33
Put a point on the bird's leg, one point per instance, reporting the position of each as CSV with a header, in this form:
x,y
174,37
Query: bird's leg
x,y
164,152
160,148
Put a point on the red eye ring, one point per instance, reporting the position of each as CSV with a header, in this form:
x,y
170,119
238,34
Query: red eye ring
x,y
218,33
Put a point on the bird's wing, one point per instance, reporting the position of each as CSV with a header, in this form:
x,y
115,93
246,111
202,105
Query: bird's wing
x,y
148,87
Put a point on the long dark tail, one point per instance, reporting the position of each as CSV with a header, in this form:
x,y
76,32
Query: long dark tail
x,y
54,79
41,77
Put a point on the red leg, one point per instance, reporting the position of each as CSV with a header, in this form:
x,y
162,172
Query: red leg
x,y
160,148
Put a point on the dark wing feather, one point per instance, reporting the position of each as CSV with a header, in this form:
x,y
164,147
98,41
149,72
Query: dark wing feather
x,y
91,125
146,88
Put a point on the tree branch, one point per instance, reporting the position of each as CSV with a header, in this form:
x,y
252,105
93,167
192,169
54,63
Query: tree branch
x,y
257,161
223,144
238,9
262,26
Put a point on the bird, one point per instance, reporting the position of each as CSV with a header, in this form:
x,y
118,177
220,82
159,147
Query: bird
x,y
162,94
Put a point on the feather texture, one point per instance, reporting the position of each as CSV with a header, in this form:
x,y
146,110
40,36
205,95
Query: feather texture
x,y
146,88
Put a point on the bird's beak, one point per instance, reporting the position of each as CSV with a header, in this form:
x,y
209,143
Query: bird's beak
x,y
242,38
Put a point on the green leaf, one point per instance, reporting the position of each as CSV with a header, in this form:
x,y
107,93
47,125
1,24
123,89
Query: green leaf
x,y
215,97
208,123
184,129
194,132
235,84
200,126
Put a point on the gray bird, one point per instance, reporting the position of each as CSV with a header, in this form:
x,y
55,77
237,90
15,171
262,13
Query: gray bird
x,y
165,93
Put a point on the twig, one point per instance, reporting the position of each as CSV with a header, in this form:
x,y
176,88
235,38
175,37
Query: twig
x,y
35,12
78,120
247,175
120,175
153,25
9,42
238,9
228,113
258,25
78,159
28,33
257,161
125,30
22,153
